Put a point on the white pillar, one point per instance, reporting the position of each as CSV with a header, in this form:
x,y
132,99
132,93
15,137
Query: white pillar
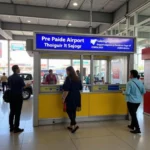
x,y
8,57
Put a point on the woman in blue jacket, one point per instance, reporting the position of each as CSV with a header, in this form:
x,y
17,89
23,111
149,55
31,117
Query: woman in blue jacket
x,y
134,96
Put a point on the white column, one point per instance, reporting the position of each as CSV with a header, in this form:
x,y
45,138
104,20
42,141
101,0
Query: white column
x,y
36,86
8,57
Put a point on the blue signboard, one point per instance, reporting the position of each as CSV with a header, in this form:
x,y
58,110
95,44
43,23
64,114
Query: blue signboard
x,y
58,42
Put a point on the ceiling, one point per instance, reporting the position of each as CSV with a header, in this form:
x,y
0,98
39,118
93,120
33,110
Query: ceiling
x,y
145,12
98,5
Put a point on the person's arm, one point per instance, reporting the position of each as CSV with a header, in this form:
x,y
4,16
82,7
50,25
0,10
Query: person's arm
x,y
66,88
81,86
128,89
47,79
55,79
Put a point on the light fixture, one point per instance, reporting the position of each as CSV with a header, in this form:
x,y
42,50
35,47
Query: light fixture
x,y
69,24
75,4
28,21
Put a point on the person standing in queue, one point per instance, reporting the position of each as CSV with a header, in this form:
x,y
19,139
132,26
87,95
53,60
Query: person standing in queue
x,y
4,82
78,73
51,78
134,96
72,97
16,85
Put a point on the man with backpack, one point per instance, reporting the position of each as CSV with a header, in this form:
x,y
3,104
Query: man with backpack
x,y
16,85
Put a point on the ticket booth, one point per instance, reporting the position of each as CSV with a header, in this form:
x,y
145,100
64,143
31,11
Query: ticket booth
x,y
146,58
93,56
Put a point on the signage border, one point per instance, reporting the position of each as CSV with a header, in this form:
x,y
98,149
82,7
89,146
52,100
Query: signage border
x,y
81,51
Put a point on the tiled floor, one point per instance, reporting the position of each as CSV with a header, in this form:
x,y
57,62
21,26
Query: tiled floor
x,y
108,135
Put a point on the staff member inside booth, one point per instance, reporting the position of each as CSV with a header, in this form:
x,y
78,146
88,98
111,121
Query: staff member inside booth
x,y
51,78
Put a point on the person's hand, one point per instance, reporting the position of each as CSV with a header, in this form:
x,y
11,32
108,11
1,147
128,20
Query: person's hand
x,y
28,84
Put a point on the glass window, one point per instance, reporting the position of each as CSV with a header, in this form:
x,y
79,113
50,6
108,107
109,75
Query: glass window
x,y
100,71
20,57
3,57
58,70
119,70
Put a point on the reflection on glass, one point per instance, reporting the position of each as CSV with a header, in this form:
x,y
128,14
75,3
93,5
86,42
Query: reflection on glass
x,y
100,72
118,70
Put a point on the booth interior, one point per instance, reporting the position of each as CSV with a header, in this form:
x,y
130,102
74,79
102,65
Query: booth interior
x,y
104,75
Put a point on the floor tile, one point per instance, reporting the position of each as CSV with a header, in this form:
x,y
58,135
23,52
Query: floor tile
x,y
10,147
104,143
91,132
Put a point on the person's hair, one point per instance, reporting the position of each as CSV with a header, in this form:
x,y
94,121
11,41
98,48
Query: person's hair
x,y
50,70
77,71
134,73
72,74
138,77
4,73
15,68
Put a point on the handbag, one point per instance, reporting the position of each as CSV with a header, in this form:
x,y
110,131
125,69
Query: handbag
x,y
6,96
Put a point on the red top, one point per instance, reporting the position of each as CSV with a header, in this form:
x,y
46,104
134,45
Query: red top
x,y
51,79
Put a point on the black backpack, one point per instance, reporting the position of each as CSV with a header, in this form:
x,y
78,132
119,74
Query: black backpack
x,y
6,96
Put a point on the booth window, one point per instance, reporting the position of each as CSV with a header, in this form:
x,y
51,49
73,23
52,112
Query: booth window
x,y
119,70
100,71
58,66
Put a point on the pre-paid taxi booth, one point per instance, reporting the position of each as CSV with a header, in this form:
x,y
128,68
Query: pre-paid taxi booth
x,y
105,60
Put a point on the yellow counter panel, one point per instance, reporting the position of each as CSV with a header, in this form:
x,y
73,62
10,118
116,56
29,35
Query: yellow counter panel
x,y
93,104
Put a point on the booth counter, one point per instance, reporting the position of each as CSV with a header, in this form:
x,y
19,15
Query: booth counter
x,y
104,104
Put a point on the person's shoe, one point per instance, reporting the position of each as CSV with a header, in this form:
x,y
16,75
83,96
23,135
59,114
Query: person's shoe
x,y
130,127
11,129
136,131
75,129
69,128
18,130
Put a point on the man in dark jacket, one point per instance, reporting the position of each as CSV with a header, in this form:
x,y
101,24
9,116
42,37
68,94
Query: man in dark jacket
x,y
16,85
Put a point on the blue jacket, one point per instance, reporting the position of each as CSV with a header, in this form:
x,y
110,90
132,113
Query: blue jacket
x,y
133,93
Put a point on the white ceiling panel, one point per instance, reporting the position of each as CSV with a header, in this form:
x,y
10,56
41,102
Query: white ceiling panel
x,y
63,22
146,12
81,24
37,2
97,5
28,33
20,1
58,3
48,21
79,2
113,5
95,24
17,32
6,18
29,20
6,1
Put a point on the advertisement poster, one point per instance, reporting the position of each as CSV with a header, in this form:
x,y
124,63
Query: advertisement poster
x,y
116,71
0,50
147,74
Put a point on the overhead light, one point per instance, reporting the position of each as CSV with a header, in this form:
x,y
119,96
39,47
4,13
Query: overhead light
x,y
75,4
69,24
28,21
